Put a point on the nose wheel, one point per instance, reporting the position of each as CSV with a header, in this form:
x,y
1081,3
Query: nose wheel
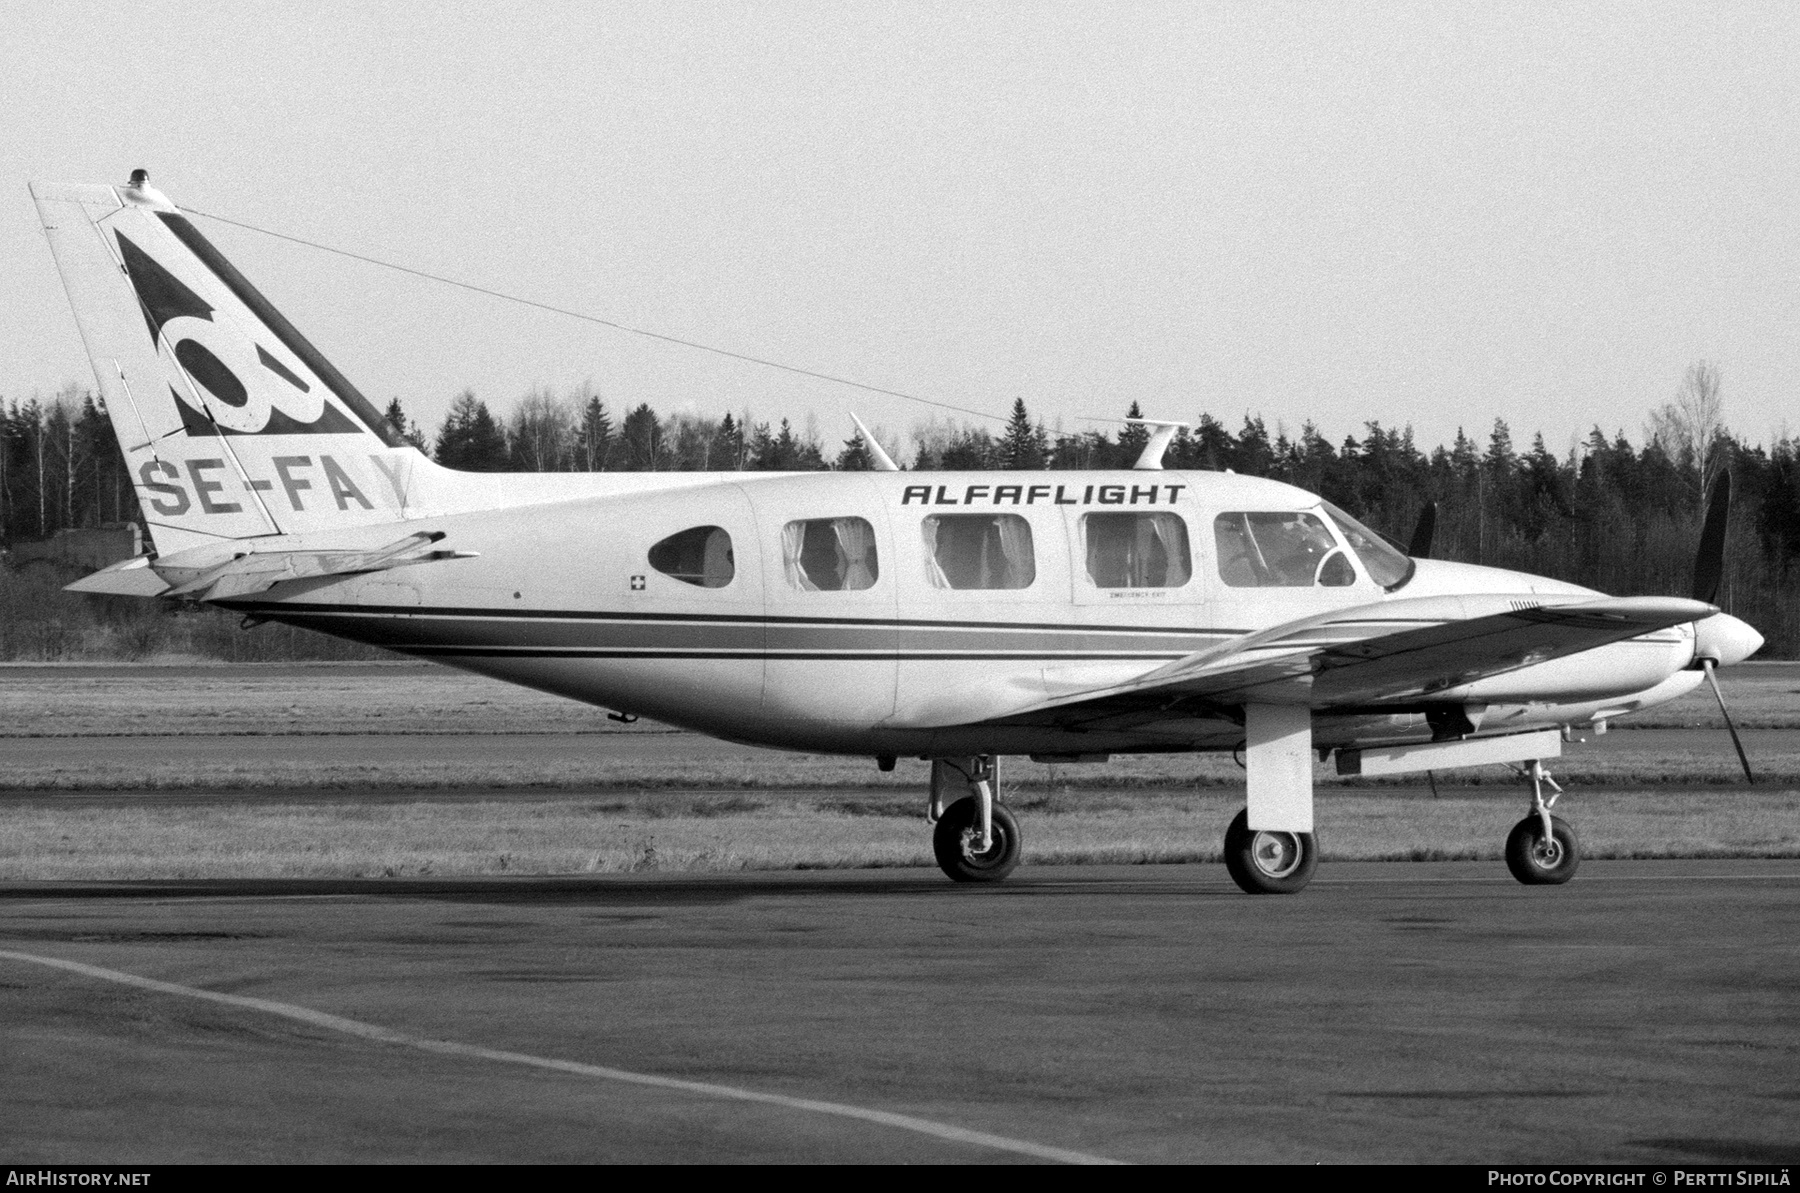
x,y
1269,862
960,852
975,839
1542,850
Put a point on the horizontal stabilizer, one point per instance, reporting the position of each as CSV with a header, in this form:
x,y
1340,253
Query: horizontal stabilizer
x,y
256,571
130,577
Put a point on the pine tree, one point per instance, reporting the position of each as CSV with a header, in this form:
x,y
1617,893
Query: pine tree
x,y
641,439
593,437
1024,446
408,432
1132,438
470,439
728,446
856,456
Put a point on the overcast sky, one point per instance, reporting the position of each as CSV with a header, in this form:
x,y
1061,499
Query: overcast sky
x,y
1424,214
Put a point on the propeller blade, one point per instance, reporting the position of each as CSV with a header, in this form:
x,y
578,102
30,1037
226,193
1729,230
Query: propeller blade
x,y
1706,665
1709,561
1420,547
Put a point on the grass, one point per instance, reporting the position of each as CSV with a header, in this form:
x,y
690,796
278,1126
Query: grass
x,y
607,810
43,840
518,771
410,698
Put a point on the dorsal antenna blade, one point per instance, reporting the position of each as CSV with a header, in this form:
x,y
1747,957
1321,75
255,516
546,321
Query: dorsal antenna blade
x,y
1150,459
883,462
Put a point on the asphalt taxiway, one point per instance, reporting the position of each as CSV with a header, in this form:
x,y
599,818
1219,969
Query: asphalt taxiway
x,y
1391,1012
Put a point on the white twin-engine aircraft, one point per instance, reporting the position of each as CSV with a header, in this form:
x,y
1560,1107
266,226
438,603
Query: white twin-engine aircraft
x,y
952,616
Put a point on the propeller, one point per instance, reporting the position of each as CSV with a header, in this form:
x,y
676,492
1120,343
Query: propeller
x,y
1709,562
1709,577
1707,666
1420,547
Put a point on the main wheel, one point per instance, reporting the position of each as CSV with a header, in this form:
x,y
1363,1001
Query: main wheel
x,y
957,843
1539,861
1267,861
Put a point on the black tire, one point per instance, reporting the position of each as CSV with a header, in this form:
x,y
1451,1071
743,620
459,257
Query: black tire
x,y
1266,862
958,831
1537,862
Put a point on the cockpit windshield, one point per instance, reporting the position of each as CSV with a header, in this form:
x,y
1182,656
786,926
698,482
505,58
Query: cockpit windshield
x,y
1386,566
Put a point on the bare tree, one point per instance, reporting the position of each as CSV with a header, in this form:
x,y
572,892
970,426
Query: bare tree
x,y
542,432
1691,429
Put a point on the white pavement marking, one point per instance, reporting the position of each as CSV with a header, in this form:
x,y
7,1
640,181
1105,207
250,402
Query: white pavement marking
x,y
387,1035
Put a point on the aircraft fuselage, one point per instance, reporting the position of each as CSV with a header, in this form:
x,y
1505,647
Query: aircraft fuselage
x,y
903,613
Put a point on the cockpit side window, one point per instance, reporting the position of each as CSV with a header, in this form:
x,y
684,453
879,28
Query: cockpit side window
x,y
1137,550
701,557
1279,550
978,551
830,554
1386,566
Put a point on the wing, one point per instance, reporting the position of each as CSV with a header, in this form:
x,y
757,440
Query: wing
x,y
1393,653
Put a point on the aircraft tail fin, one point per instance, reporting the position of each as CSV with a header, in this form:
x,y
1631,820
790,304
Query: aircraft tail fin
x,y
232,424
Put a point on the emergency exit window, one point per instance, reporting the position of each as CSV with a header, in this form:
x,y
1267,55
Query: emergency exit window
x,y
1137,550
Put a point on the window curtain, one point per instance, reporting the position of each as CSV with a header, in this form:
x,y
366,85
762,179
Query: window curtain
x,y
793,541
1015,544
1171,537
1142,556
856,547
934,571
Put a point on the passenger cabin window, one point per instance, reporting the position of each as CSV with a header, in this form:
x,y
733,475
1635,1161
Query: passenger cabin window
x,y
701,557
978,551
1137,550
830,554
1279,550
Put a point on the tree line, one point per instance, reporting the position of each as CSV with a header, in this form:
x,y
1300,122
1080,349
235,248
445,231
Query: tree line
x,y
1615,515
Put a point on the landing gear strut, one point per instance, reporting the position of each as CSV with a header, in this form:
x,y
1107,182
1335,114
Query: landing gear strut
x,y
976,838
1542,850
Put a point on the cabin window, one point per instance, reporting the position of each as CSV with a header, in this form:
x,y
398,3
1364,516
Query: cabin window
x,y
830,554
1137,550
1279,550
978,551
701,557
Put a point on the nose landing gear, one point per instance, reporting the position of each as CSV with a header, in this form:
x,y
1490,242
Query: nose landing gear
x,y
976,838
1542,850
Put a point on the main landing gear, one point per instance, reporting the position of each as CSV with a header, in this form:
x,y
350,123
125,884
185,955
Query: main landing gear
x,y
1542,850
1269,861
976,838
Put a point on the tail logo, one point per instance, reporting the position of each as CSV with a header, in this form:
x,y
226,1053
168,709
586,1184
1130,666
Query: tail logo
x,y
225,383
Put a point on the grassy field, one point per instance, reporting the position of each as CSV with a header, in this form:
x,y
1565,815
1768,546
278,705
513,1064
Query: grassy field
x,y
605,812
514,768
528,835
402,697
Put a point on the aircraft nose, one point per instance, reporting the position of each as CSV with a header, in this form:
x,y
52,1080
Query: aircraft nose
x,y
1725,640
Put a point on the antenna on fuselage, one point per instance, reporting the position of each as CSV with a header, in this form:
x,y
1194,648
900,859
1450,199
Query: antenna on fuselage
x,y
881,459
1150,459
